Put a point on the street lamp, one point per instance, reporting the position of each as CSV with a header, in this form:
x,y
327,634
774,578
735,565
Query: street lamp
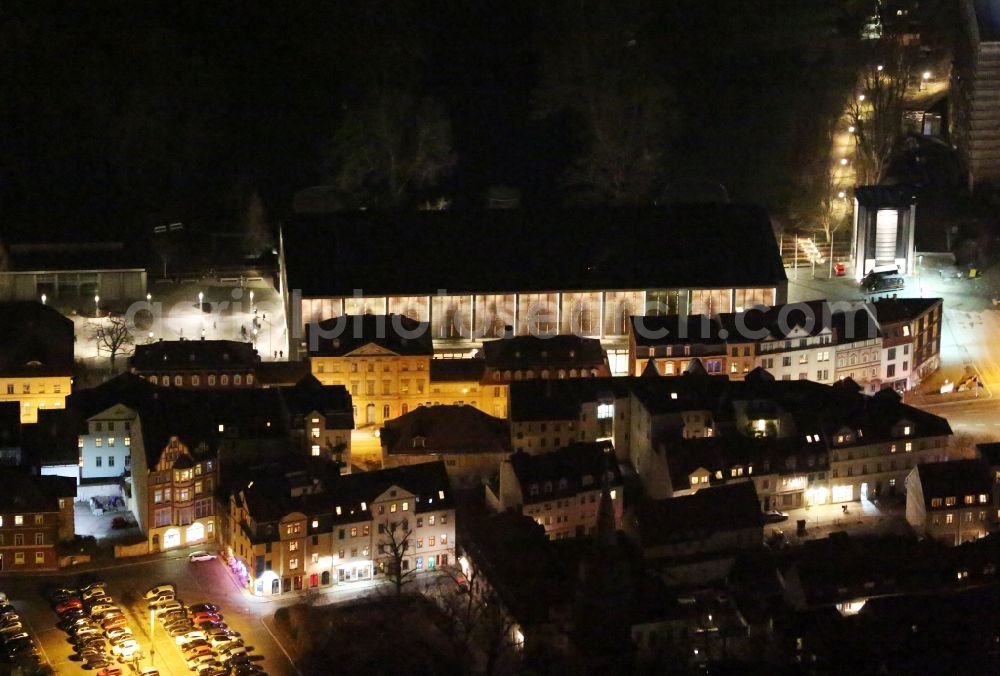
x,y
851,129
201,298
97,305
149,297
44,297
152,629
843,161
861,97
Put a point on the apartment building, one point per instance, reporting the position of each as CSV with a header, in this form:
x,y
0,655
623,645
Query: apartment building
x,y
952,502
801,442
297,529
196,363
911,330
560,356
561,489
36,358
472,444
464,382
36,514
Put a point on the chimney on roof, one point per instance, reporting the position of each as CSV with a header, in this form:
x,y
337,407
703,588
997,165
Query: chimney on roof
x,y
508,331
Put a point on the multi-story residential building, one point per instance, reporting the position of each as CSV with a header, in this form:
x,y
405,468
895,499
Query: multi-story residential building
x,y
383,361
873,344
911,347
464,382
671,341
952,502
322,418
975,83
559,356
36,357
800,441
36,513
549,272
560,489
196,363
472,444
169,443
298,530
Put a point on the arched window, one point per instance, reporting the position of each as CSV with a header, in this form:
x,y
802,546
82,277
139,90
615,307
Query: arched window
x,y
211,381
153,380
572,373
668,368
529,374
178,381
562,373
237,379
196,380
224,380
545,374
593,372
249,379
517,374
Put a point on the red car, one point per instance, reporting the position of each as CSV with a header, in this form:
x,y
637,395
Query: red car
x,y
110,671
68,604
206,617
114,622
197,651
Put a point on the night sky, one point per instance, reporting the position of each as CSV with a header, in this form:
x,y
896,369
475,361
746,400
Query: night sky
x,y
119,116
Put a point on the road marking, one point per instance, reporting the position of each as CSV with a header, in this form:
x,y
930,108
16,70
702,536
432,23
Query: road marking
x,y
278,643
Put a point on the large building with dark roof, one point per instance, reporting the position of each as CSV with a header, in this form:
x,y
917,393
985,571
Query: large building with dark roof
x,y
196,363
952,502
36,514
471,274
36,357
302,528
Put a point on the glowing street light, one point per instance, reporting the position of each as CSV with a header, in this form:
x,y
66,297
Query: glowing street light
x,y
879,67
852,129
97,305
841,194
201,297
843,161
149,297
44,297
927,75
861,97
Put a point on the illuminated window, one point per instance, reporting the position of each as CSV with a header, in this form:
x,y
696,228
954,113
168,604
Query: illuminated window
x,y
614,494
949,501
906,430
935,502
99,441
293,563
111,442
605,411
949,518
406,506
983,498
39,519
970,499
128,441
19,558
18,520
293,546
430,520
392,508
315,432
909,446
39,557
315,449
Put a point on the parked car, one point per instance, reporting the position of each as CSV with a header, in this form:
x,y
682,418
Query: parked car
x,y
167,607
68,604
150,671
162,600
110,671
11,629
114,622
208,668
233,660
222,641
200,556
211,625
774,516
124,647
196,650
206,617
233,650
880,279
204,608
202,658
189,637
160,589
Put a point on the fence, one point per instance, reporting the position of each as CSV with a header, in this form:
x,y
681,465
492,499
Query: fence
x,y
813,254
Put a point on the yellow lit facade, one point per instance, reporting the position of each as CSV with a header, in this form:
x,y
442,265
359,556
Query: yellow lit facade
x,y
36,392
382,383
491,399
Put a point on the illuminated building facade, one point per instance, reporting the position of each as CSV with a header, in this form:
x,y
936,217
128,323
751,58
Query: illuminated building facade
x,y
952,502
469,275
307,529
36,513
884,229
36,358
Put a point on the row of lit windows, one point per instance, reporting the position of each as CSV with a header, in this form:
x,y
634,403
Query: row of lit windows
x,y
19,518
99,442
969,500
26,388
950,518
19,539
196,380
19,558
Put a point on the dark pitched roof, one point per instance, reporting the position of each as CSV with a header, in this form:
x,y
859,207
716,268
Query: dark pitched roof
x,y
990,453
190,414
559,399
445,429
343,335
506,250
457,370
954,478
885,196
572,463
891,310
332,401
22,491
676,330
559,350
276,373
193,355
691,517
268,497
42,343
53,439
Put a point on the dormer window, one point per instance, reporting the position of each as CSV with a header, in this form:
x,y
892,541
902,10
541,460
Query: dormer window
x,y
533,490
586,480
419,442
906,430
548,486
562,484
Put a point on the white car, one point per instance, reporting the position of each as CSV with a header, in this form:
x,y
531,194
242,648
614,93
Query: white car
x,y
125,647
94,593
159,590
168,606
190,636
233,650
162,600
120,633
101,608
201,556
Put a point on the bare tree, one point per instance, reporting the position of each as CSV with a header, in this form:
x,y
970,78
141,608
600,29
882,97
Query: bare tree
x,y
113,336
394,542
604,73
877,111
481,632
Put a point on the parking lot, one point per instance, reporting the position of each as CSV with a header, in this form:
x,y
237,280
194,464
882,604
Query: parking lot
x,y
205,582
